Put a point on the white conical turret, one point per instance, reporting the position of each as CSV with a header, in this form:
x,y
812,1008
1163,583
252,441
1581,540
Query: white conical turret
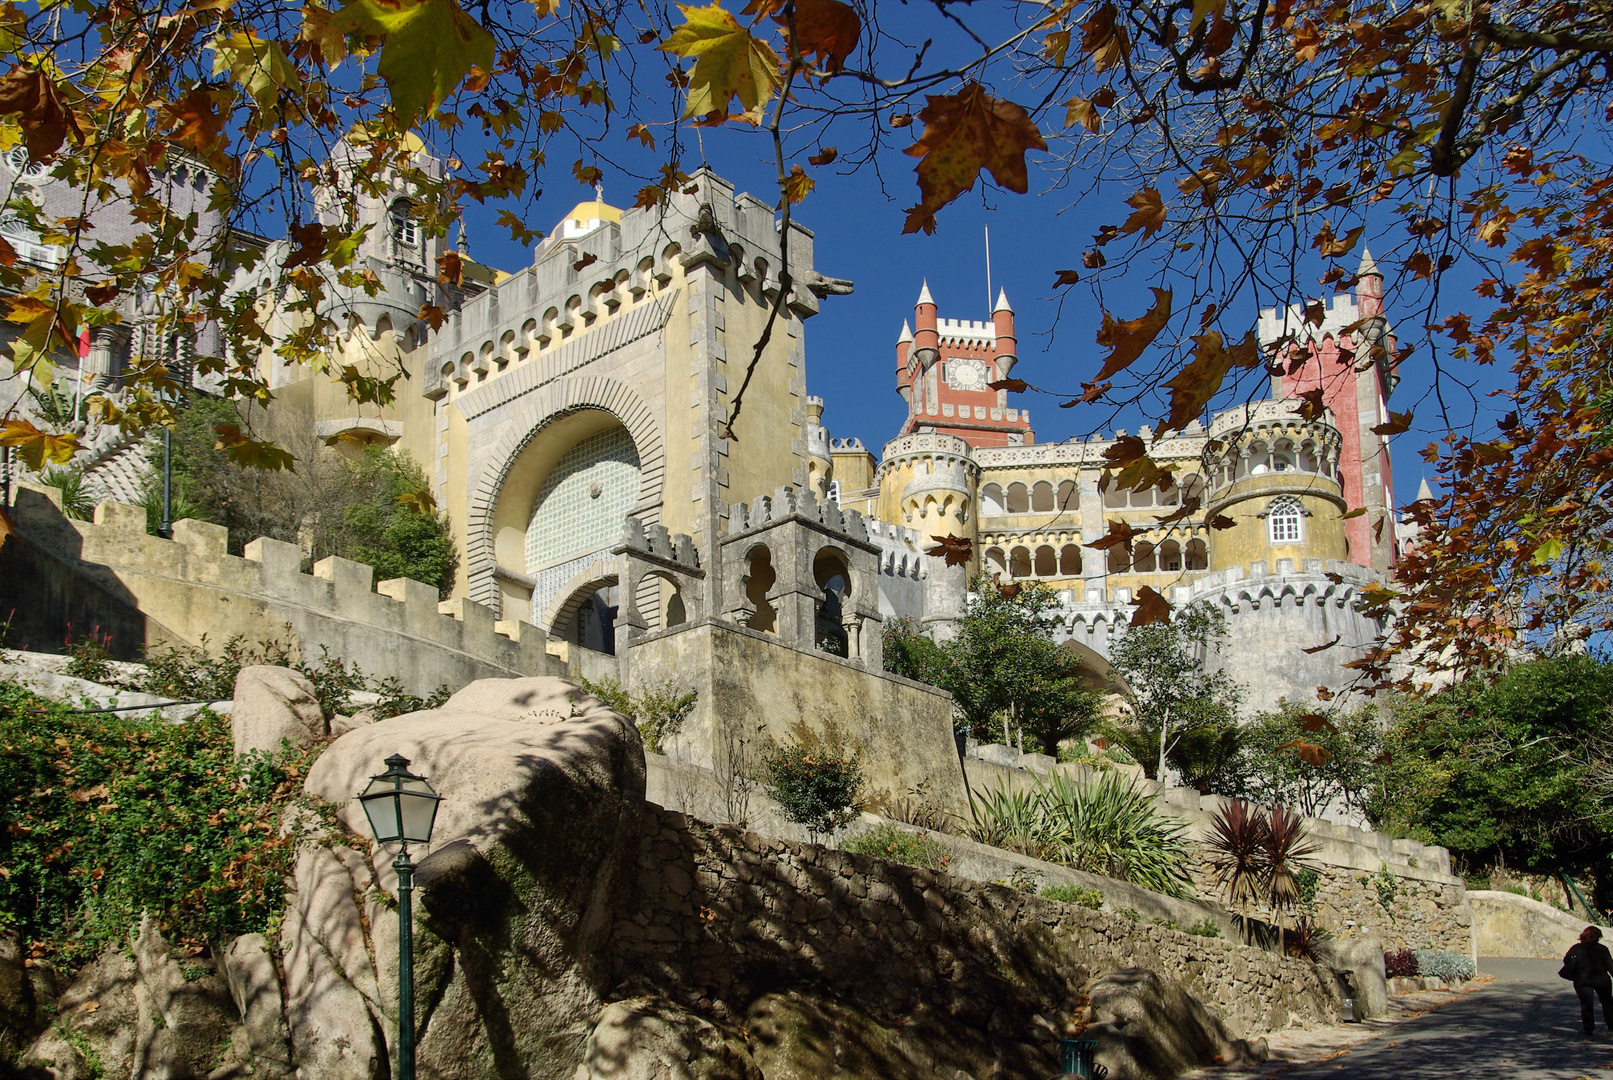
x,y
1002,302
907,333
924,293
1368,267
1424,492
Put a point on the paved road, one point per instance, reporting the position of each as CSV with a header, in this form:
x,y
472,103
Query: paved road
x,y
1524,1025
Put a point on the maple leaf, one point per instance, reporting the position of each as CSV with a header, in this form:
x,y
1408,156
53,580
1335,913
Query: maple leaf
x,y
8,254
963,134
1151,607
1324,694
1066,278
641,132
31,96
102,293
798,184
1323,648
1315,722
1148,213
1009,591
1221,521
1013,386
310,245
826,29
1056,45
419,502
1194,386
1311,405
1189,507
587,175
1125,450
1332,248
1093,260
650,195
956,550
433,315
1119,535
1397,423
250,453
1126,339
36,447
450,268
824,156
1080,110
729,63
430,47
1104,39
1310,753
260,66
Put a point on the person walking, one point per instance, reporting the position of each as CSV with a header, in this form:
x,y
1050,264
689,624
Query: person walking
x,y
1590,966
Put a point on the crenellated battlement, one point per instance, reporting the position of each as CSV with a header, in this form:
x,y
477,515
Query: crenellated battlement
x,y
787,502
190,587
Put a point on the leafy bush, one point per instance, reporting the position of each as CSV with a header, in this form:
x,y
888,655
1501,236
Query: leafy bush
x,y
816,779
1206,928
90,657
69,481
110,817
1400,964
1106,826
889,841
1130,913
1303,939
395,701
1074,894
658,710
1453,967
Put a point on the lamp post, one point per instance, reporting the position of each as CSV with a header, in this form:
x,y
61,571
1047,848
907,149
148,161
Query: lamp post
x,y
402,809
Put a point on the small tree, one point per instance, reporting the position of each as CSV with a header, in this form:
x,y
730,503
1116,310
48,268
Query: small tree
x,y
1176,706
816,779
1305,759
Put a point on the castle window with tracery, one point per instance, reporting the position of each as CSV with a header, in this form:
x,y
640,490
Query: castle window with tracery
x,y
1284,520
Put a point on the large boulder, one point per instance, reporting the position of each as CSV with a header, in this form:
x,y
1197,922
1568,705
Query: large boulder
x,y
1359,961
649,1038
274,705
254,983
1149,1028
542,787
1506,924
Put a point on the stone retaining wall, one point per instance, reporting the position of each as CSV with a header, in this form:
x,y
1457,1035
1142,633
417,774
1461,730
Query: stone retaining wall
x,y
715,917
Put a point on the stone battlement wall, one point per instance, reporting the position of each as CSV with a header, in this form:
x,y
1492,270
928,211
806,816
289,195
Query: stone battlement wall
x,y
178,591
715,916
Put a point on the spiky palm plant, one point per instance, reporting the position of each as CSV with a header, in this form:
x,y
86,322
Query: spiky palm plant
x,y
1110,826
1011,820
1239,853
1286,845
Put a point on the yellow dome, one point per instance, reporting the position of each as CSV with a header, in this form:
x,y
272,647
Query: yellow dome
x,y
594,210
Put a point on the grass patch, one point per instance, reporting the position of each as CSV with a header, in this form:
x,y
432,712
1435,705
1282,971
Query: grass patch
x,y
1078,895
896,844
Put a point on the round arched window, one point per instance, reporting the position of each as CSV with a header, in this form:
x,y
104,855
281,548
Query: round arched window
x,y
580,508
1284,520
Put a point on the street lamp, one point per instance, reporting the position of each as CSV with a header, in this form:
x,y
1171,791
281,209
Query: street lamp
x,y
402,808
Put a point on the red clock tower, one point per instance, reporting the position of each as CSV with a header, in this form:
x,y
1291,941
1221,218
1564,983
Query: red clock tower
x,y
944,369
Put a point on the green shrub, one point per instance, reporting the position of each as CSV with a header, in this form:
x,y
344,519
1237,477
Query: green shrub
x,y
109,817
90,657
658,711
69,481
1074,894
1130,913
890,841
1207,928
1454,967
816,779
1168,924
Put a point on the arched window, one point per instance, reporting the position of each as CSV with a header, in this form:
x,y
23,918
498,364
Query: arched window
x,y
405,232
1142,559
1143,498
1018,499
1019,563
1197,556
832,576
991,499
1114,496
1119,559
1068,500
1070,560
1047,562
1170,556
995,562
1042,497
1285,520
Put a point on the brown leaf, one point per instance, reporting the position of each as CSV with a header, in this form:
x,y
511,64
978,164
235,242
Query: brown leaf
x,y
1013,386
1148,213
1092,260
963,134
1310,753
1385,758
1322,648
1104,39
1314,722
1151,607
1311,405
433,315
587,175
1066,277
451,268
8,254
1221,521
1198,382
1324,694
310,245
1119,535
1126,339
1397,423
956,550
826,29
584,263
1124,451
1189,507
798,184
642,133
102,293
1080,110
1009,591
31,95
824,156
1333,248
1315,312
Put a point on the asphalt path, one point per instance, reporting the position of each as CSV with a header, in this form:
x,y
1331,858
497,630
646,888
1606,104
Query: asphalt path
x,y
1523,1025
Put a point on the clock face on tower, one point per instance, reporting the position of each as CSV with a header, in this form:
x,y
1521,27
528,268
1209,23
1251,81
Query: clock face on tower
x,y
966,374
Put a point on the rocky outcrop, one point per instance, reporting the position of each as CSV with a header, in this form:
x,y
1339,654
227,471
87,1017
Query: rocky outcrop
x,y
1359,962
1148,1027
1506,924
650,1038
542,787
275,705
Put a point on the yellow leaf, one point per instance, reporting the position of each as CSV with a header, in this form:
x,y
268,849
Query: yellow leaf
x,y
259,66
1148,212
729,63
1202,10
798,184
419,502
430,47
36,447
250,453
1078,110
1055,45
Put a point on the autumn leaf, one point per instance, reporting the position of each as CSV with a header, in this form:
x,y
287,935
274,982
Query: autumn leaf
x,y
729,63
259,66
1103,39
1310,753
450,268
250,453
1080,110
584,263
963,134
1194,386
1189,507
1011,590
1126,339
826,29
1151,607
1324,647
1332,247
1315,722
36,447
419,502
197,123
587,175
433,315
1148,213
1055,46
1397,423
641,132
824,156
798,184
31,96
1066,278
1221,521
956,550
310,245
1311,405
1013,386
1125,450
430,47
1119,535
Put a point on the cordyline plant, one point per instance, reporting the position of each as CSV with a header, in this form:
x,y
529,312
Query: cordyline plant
x,y
1256,856
1253,148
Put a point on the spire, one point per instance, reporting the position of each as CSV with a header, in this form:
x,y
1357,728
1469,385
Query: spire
x,y
924,293
1424,494
1002,302
907,333
1368,268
